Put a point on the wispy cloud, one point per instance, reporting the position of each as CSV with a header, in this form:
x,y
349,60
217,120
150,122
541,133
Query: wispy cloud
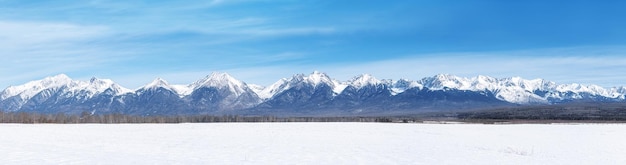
x,y
37,49
28,34
261,41
587,65
85,47
244,29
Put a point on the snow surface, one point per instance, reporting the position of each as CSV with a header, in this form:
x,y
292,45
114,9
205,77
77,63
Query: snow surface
x,y
312,143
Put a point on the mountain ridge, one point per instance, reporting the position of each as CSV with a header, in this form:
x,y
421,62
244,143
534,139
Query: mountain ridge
x,y
316,92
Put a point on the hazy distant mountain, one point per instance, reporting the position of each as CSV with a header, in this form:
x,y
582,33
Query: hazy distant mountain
x,y
313,94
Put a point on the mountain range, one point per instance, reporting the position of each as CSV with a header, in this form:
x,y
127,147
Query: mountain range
x,y
315,94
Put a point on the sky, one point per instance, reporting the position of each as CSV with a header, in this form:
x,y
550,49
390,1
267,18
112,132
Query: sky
x,y
261,41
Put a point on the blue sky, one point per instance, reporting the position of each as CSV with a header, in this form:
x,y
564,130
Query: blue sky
x,y
260,41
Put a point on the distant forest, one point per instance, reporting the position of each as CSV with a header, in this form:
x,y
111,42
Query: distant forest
x,y
33,118
568,112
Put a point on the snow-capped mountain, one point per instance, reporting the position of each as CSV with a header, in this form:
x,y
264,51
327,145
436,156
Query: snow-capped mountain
x,y
222,80
268,92
314,80
522,91
364,91
220,91
156,84
300,91
59,87
402,85
363,81
32,88
310,94
98,86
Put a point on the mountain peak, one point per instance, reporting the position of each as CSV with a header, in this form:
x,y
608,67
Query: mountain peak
x,y
441,81
220,75
93,79
57,79
33,87
485,78
157,83
364,80
445,76
317,78
222,80
97,81
60,76
96,85
218,79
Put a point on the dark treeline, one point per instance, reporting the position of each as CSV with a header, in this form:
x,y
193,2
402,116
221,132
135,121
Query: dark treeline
x,y
563,112
571,111
24,117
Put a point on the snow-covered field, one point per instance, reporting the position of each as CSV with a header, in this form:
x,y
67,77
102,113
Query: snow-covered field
x,y
312,143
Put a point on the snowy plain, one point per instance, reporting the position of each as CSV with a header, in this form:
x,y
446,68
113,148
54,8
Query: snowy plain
x,y
312,143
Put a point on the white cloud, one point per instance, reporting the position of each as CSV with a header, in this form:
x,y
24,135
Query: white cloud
x,y
585,66
287,31
30,33
590,65
256,27
35,49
